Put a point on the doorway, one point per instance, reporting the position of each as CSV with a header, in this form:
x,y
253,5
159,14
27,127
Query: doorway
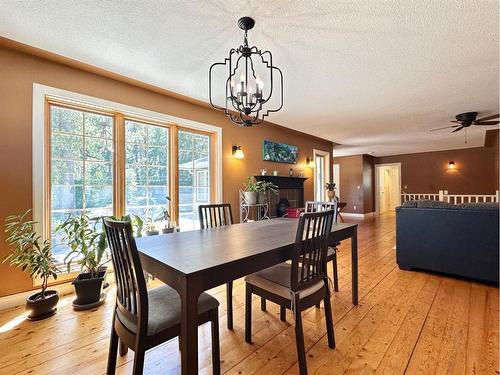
x,y
321,174
387,187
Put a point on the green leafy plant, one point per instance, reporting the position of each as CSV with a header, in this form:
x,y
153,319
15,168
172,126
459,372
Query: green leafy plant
x,y
330,186
136,222
150,225
87,243
251,185
265,186
29,252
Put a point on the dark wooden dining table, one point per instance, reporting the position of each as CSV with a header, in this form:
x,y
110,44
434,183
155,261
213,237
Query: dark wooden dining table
x,y
194,261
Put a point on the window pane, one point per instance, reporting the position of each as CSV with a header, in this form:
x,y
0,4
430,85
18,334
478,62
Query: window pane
x,y
67,146
99,149
81,170
98,125
194,181
66,120
146,170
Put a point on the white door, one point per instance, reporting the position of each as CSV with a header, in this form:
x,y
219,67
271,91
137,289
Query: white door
x,y
336,178
388,187
321,174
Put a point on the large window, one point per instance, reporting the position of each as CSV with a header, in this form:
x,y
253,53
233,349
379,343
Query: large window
x,y
146,169
81,168
194,176
103,162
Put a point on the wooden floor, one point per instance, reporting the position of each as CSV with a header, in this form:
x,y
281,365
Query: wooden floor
x,y
406,322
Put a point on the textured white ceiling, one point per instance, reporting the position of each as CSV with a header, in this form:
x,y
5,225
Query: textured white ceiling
x,y
374,76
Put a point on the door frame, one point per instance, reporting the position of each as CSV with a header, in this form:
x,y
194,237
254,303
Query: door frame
x,y
326,155
377,189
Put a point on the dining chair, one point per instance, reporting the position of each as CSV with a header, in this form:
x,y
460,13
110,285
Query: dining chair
x,y
300,284
315,206
217,215
143,319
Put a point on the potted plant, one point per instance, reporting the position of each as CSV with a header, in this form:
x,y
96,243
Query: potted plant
x,y
251,190
169,226
33,256
87,243
330,190
262,188
151,227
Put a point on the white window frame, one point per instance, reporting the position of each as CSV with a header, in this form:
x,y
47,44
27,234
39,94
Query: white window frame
x,y
40,138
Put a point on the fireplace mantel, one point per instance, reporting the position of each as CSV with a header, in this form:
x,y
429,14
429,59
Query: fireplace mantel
x,y
291,188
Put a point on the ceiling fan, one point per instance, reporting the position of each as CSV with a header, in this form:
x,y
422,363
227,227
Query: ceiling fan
x,y
464,120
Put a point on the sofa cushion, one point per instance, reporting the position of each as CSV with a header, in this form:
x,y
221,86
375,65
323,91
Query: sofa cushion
x,y
482,206
427,203
410,204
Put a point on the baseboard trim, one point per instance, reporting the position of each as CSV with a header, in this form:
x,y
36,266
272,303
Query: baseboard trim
x,y
19,299
358,216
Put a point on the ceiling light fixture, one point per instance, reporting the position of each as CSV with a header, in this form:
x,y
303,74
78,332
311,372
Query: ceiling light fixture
x,y
247,98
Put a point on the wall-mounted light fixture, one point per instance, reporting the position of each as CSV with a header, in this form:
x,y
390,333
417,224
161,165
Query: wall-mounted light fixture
x,y
451,165
238,152
310,163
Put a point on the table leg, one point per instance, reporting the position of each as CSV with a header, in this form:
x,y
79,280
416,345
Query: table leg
x,y
354,265
189,330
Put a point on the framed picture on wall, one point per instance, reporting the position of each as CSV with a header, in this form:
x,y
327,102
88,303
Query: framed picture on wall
x,y
279,152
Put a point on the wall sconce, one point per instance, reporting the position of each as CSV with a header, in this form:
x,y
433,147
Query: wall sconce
x,y
451,165
238,152
309,163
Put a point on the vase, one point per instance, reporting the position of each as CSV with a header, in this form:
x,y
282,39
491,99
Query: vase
x,y
250,197
331,195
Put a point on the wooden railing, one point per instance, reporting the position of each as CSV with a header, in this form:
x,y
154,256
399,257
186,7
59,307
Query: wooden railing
x,y
443,196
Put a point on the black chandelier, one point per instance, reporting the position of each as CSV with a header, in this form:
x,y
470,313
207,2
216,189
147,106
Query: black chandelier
x,y
247,101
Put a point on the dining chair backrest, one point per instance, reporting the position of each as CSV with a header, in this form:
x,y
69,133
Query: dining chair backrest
x,y
316,206
311,248
215,215
131,291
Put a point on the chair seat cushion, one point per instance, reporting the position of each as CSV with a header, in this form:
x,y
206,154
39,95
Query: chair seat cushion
x,y
277,280
164,309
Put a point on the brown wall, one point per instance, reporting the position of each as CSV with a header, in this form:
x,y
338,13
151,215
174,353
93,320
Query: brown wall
x,y
18,72
476,169
476,173
351,177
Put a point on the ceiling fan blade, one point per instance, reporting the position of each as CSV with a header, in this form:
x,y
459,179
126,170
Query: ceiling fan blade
x,y
456,122
445,127
457,129
487,118
486,122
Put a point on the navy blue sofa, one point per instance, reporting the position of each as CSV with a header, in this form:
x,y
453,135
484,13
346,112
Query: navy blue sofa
x,y
459,240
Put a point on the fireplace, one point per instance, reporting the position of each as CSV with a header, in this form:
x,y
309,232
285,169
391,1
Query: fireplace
x,y
290,188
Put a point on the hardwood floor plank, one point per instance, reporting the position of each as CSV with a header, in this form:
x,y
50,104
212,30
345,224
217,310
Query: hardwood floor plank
x,y
406,322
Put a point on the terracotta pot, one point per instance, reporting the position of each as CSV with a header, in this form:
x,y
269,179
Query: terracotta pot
x,y
331,194
41,308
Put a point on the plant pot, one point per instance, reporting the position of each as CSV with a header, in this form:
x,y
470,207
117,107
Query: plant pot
x,y
41,308
88,289
152,232
261,197
167,230
250,197
331,195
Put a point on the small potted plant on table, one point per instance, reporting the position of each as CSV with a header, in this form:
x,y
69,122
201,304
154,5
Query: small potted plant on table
x,y
34,256
87,243
330,191
169,226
